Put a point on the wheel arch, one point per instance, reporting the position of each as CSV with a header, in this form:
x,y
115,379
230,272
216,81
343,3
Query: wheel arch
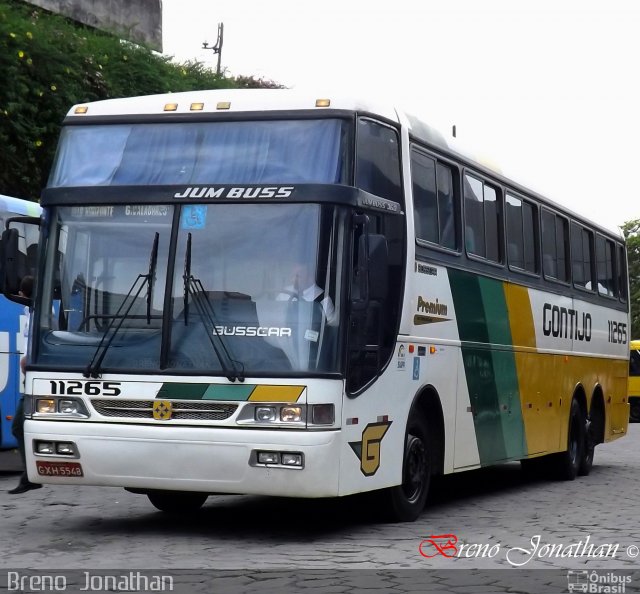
x,y
427,404
580,394
597,414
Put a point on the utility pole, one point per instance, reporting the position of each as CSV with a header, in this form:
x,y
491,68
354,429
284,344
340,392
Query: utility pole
x,y
217,48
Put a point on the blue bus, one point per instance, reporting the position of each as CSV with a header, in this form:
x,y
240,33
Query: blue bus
x,y
14,316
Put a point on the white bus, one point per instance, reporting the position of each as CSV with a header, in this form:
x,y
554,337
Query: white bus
x,y
262,292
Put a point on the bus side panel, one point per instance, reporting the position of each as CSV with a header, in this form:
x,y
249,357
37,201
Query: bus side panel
x,y
428,360
430,318
11,344
525,353
588,355
374,423
540,376
490,366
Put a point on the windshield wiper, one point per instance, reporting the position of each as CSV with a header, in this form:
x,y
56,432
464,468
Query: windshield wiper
x,y
151,277
234,370
93,368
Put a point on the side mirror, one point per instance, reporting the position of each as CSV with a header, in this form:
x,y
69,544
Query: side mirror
x,y
12,266
372,272
10,262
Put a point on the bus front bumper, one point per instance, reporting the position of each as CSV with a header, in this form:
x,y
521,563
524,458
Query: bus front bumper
x,y
212,460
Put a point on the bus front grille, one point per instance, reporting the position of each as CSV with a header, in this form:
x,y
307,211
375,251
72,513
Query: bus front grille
x,y
181,410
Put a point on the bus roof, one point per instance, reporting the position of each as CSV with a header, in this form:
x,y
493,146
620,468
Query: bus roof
x,y
230,101
19,206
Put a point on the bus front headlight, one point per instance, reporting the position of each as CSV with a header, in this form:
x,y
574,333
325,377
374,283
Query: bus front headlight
x,y
291,414
69,407
46,406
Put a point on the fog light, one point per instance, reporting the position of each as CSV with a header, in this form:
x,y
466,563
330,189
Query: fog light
x,y
46,406
65,448
291,414
68,407
322,414
268,458
265,413
289,459
44,447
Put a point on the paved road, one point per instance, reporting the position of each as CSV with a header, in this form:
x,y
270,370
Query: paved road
x,y
594,522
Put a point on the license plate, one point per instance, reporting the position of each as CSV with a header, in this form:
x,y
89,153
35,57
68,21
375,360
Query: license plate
x,y
58,468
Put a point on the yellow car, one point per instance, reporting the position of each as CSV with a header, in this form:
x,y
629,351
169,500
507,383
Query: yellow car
x,y
634,381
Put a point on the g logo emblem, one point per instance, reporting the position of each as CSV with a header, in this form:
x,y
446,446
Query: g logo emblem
x,y
162,410
368,450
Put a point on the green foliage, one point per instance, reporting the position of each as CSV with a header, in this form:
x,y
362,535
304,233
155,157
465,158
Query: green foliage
x,y
48,64
631,231
251,82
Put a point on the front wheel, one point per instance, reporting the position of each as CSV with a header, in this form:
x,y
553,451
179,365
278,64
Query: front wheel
x,y
634,415
177,502
406,501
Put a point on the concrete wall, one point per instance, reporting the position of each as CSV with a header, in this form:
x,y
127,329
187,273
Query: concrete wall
x,y
139,21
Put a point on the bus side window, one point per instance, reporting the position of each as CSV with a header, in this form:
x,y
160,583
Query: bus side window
x,y
522,229
621,272
474,216
555,235
433,201
605,256
483,219
582,256
423,174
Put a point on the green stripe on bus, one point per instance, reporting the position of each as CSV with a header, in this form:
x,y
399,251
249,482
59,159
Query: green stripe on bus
x,y
239,393
489,365
179,391
183,391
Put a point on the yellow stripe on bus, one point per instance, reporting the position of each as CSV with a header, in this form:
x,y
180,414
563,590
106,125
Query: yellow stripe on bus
x,y
520,316
276,393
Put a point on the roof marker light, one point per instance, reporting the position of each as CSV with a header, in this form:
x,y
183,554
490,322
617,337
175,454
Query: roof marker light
x,y
81,109
223,105
323,102
197,106
170,106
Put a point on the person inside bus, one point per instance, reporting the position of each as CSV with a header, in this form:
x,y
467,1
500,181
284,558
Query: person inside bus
x,y
302,287
17,427
310,315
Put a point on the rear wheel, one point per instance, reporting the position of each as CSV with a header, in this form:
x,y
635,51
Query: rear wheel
x,y
406,501
177,502
586,462
567,464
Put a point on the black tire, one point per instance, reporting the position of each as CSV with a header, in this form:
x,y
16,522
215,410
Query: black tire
x,y
588,452
177,502
634,411
567,463
405,502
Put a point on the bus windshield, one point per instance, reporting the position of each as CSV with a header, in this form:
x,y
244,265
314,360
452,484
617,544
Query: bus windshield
x,y
249,152
245,288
